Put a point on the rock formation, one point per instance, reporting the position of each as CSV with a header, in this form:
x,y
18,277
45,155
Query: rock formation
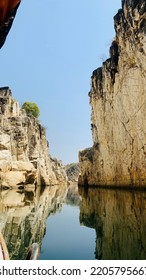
x,y
24,157
118,102
72,172
119,218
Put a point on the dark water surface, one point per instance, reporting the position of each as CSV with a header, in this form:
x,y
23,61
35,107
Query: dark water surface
x,y
90,224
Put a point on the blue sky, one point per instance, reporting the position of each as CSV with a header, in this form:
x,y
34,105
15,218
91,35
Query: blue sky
x,y
48,58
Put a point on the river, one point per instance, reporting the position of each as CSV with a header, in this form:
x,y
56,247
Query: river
x,y
69,224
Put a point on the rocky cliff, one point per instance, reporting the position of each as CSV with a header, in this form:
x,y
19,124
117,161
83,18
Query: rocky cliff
x,y
118,102
24,157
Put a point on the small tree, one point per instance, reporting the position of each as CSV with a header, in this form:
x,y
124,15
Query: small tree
x,y
31,109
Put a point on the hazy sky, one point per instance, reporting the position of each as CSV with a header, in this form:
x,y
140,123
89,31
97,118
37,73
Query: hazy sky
x,y
49,56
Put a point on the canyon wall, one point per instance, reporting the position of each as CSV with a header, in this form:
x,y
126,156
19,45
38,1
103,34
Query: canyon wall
x,y
24,155
118,104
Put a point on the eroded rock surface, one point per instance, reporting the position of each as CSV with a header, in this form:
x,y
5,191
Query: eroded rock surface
x,y
24,156
118,102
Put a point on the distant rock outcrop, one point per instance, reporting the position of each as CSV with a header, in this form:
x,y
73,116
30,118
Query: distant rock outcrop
x,y
72,171
118,102
24,157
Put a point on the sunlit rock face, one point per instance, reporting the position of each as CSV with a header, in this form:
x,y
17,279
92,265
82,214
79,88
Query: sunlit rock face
x,y
23,216
118,103
119,218
24,156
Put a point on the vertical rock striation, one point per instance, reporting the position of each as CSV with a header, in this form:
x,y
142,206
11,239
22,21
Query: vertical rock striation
x,y
24,157
118,102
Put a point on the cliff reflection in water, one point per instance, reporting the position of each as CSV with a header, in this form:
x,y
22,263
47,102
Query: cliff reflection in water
x,y
23,215
119,218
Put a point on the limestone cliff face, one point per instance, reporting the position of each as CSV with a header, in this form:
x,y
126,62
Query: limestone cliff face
x,y
118,102
24,157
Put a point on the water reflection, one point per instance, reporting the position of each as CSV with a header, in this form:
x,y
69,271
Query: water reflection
x,y
119,218
72,197
65,238
23,215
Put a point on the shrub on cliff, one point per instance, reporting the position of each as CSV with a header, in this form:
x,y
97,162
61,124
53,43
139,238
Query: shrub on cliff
x,y
31,109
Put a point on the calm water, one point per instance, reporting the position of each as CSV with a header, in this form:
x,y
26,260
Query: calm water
x,y
90,224
66,239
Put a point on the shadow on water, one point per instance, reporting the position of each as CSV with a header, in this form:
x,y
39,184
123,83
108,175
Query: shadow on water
x,y
119,218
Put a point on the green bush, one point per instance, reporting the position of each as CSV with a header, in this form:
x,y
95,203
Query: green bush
x,y
31,109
